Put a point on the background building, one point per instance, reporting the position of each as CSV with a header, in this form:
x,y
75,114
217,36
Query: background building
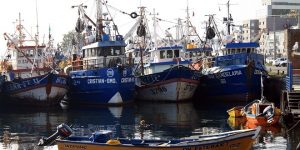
x,y
274,17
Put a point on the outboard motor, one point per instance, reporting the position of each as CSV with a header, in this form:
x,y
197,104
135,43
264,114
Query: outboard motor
x,y
268,112
62,131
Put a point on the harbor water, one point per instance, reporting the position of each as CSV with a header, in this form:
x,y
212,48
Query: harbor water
x,y
21,128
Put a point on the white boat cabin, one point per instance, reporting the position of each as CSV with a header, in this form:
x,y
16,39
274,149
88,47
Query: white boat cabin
x,y
20,63
163,58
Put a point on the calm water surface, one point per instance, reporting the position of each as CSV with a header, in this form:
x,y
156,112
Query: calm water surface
x,y
21,128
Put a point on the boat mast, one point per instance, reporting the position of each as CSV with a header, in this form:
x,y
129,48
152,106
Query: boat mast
x,y
154,28
187,23
37,24
229,19
19,28
99,27
143,46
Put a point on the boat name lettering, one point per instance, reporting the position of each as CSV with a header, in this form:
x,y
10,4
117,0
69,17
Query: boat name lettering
x,y
189,87
101,81
229,74
213,146
150,78
159,90
61,80
127,80
23,84
113,80
257,72
95,81
235,146
75,146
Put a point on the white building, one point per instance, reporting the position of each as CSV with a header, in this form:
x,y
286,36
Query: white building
x,y
274,16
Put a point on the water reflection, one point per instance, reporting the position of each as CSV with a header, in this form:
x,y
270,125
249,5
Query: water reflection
x,y
22,128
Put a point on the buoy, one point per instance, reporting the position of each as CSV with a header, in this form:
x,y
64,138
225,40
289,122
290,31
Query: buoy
x,y
113,142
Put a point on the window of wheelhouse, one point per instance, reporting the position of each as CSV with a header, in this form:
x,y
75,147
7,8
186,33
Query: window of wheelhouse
x,y
93,52
176,53
162,54
114,50
83,53
40,52
243,50
169,53
248,50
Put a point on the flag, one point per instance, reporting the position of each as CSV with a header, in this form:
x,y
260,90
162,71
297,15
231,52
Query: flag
x,y
49,32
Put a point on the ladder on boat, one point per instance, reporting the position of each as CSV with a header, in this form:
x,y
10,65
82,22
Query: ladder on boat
x,y
293,103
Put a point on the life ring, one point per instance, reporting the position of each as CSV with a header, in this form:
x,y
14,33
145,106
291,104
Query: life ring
x,y
133,15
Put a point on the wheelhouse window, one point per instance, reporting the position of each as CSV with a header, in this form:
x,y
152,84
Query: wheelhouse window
x,y
248,50
162,54
169,53
176,53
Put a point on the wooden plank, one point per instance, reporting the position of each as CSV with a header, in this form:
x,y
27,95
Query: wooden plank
x,y
295,111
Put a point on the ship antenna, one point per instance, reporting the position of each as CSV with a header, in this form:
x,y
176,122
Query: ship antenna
x,y
37,23
229,19
99,27
154,28
187,21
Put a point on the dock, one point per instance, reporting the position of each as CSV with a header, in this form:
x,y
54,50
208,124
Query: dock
x,y
290,97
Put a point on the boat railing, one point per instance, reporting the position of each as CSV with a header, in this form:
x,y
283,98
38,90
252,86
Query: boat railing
x,y
289,77
102,62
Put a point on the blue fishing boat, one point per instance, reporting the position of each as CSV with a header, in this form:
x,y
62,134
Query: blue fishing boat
x,y
234,73
102,74
1,83
235,76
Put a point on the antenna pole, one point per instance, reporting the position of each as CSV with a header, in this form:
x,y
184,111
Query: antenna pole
x,y
37,23
228,17
99,20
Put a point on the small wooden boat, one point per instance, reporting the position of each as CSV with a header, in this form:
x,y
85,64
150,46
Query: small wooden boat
x,y
262,113
236,111
238,139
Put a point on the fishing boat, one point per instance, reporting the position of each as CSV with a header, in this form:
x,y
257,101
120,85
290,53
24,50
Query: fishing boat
x,y
1,83
166,74
238,139
234,73
30,77
167,78
101,75
262,113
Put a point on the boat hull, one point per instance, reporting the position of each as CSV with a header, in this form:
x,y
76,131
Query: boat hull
x,y
172,85
44,90
238,83
1,83
261,120
109,87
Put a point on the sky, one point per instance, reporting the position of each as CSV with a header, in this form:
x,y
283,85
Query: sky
x,y
61,18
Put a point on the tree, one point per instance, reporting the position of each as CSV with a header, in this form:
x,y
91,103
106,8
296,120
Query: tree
x,y
70,40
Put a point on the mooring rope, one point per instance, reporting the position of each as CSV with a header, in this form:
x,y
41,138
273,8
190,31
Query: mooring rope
x,y
293,126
